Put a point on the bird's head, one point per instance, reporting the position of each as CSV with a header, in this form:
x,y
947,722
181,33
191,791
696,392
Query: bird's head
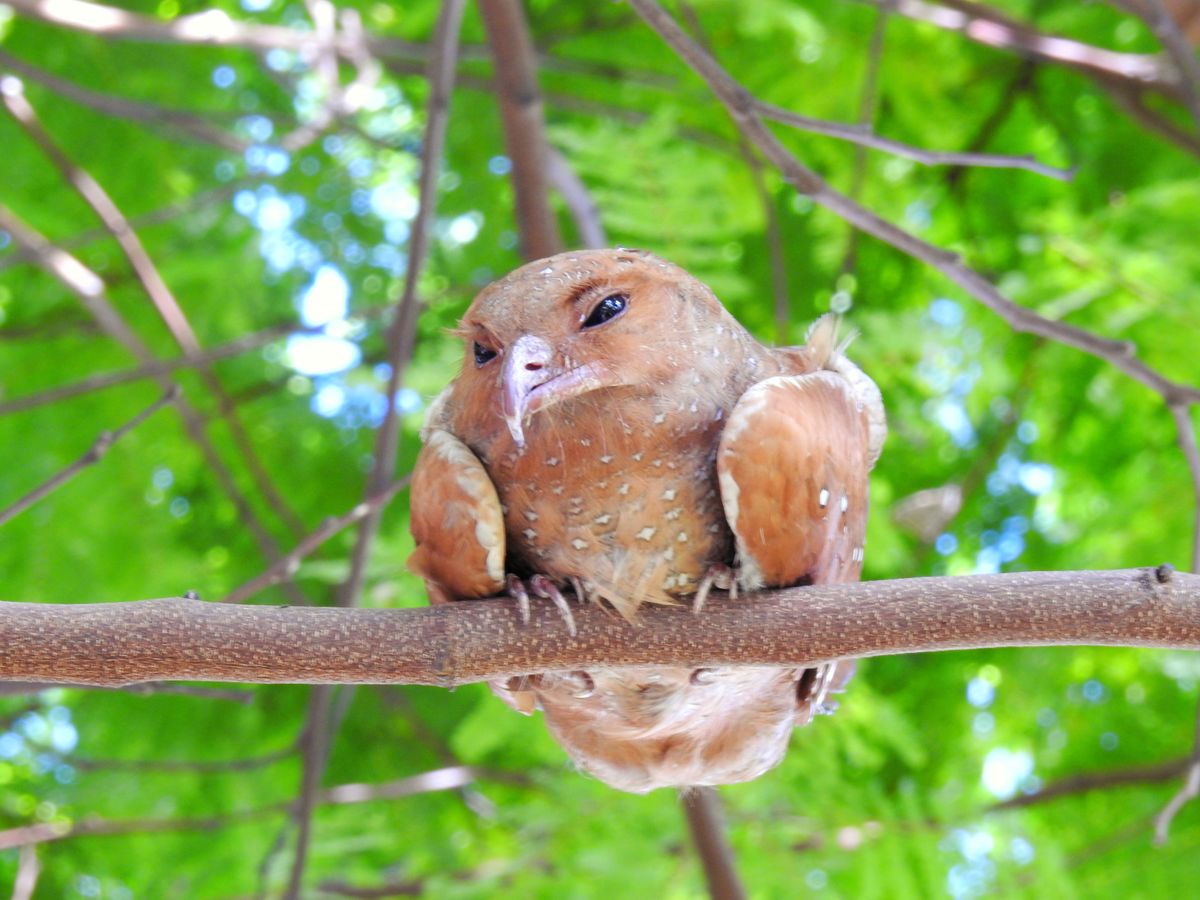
x,y
581,322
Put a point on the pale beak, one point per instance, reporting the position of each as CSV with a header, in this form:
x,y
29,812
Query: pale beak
x,y
530,380
527,364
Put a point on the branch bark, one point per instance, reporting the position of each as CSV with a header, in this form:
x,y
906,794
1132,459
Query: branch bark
x,y
524,128
123,643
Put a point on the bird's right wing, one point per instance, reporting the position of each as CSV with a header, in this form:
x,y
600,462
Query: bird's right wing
x,y
457,522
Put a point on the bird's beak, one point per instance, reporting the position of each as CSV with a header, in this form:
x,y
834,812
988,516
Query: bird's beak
x,y
527,365
530,380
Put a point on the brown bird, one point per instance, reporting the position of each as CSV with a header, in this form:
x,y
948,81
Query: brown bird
x,y
615,430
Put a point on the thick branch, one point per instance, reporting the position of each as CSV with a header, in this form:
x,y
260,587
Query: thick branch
x,y
702,808
121,643
524,127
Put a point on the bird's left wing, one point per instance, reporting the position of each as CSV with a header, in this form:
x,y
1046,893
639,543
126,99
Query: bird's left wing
x,y
792,464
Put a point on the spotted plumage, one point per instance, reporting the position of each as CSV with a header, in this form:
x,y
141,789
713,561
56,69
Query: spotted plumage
x,y
614,428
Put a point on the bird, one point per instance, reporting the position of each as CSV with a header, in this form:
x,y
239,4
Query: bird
x,y
615,433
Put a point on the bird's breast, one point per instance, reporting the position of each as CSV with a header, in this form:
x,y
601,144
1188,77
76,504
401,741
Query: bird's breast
x,y
625,500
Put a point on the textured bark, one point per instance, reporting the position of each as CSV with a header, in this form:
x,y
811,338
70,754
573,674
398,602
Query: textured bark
x,y
174,639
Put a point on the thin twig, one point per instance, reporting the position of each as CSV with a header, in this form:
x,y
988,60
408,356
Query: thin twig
x,y
401,335
564,179
524,126
702,807
857,135
165,366
1083,782
97,451
989,26
400,340
1189,790
340,795
315,753
152,282
743,109
868,102
145,689
286,566
17,255
781,304
28,870
188,124
1186,435
196,766
1155,14
89,289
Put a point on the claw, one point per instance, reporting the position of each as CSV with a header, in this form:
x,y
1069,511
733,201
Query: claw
x,y
545,588
516,590
719,576
577,587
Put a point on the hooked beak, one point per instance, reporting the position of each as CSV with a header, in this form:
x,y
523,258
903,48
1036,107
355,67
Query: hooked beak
x,y
530,381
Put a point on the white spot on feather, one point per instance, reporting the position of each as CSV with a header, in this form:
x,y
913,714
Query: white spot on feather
x,y
669,494
823,499
646,533
579,544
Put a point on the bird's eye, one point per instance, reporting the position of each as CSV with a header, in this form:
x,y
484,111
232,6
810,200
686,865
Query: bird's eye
x,y
608,308
483,355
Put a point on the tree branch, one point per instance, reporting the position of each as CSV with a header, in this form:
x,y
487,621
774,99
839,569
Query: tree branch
x,y
524,128
402,332
94,454
702,807
742,107
459,643
152,282
89,289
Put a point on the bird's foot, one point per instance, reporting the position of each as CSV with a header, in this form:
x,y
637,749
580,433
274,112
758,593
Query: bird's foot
x,y
719,576
541,586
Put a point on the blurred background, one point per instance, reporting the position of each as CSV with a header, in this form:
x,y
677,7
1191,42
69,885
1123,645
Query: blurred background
x,y
266,157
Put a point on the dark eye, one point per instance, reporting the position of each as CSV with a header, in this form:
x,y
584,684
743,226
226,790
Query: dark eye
x,y
483,355
608,308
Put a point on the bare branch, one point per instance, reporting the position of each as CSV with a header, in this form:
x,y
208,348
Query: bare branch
x,y
166,366
88,287
856,134
315,749
287,565
524,128
702,807
1155,773
146,688
97,451
180,638
152,283
196,766
574,192
341,795
742,107
1186,435
1188,791
401,335
190,125
991,27
18,254
28,870
1183,56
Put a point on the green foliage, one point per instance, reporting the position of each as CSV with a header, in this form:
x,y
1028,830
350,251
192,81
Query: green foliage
x,y
1065,462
